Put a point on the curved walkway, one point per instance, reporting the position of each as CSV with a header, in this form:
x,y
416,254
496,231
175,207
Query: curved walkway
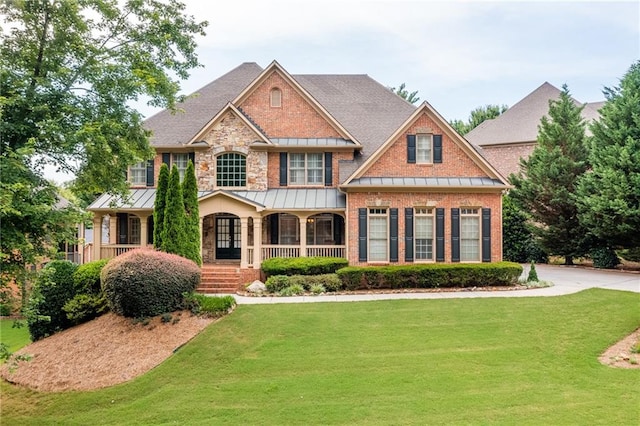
x,y
566,280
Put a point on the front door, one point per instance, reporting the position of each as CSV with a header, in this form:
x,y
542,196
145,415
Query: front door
x,y
228,237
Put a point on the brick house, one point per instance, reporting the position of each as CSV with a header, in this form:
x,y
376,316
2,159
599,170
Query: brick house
x,y
314,165
513,135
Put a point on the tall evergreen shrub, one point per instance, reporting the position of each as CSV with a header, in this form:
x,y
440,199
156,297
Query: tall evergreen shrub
x,y
192,215
173,233
159,205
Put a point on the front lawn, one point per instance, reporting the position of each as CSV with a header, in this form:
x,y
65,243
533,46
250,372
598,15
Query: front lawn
x,y
454,361
14,337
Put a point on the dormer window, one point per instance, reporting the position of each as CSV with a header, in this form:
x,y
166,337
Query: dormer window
x,y
276,97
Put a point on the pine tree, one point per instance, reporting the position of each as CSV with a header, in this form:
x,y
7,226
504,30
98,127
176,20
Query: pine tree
x,y
546,187
609,194
159,205
192,218
533,274
518,243
173,234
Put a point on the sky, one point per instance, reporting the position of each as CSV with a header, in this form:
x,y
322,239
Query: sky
x,y
457,55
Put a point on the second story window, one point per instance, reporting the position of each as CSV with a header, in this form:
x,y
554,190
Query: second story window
x,y
423,149
306,169
138,173
276,97
231,170
181,161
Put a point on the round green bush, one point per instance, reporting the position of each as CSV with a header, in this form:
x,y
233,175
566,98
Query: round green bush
x,y
604,258
87,277
53,288
144,282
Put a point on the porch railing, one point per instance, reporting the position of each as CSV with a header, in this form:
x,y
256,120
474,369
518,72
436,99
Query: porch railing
x,y
269,251
326,251
250,256
113,250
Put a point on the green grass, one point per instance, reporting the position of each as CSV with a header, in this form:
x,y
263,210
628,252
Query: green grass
x,y
458,361
13,337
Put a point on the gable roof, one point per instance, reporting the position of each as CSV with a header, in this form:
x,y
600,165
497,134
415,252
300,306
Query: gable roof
x,y
240,114
462,143
519,123
170,130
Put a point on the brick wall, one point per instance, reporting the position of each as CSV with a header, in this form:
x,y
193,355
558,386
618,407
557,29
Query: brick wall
x,y
507,158
294,119
455,162
435,200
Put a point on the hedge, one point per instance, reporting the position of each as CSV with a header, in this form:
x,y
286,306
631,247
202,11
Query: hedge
x,y
87,277
430,276
277,283
302,265
144,282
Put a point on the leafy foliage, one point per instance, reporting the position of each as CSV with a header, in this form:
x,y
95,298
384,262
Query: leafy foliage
x,y
302,265
213,306
328,282
67,73
53,288
609,193
533,274
546,187
159,205
192,215
86,278
85,307
518,243
173,232
430,275
401,91
604,257
137,284
477,116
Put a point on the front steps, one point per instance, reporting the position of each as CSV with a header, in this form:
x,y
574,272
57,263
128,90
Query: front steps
x,y
220,278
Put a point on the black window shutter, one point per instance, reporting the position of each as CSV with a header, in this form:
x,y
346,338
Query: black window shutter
x,y
192,157
338,229
437,148
166,159
393,235
328,169
362,234
274,228
408,234
149,172
455,235
439,235
123,228
150,225
411,148
283,169
486,235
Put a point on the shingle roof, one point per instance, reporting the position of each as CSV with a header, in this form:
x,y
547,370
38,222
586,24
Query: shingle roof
x,y
176,129
520,122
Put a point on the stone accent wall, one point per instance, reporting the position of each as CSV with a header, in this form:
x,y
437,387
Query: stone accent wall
x,y
294,119
402,200
455,162
231,134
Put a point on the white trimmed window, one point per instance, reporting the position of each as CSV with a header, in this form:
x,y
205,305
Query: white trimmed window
x,y
138,173
469,235
424,151
306,169
423,233
276,97
378,221
181,161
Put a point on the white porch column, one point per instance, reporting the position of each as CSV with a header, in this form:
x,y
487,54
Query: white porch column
x,y
303,235
201,224
257,242
244,241
144,231
113,229
97,235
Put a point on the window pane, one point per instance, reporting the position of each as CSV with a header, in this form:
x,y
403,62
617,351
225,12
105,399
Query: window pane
x,y
423,148
181,160
288,229
231,170
378,242
138,173
424,227
469,238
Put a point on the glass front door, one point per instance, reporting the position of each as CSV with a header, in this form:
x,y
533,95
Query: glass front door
x,y
228,238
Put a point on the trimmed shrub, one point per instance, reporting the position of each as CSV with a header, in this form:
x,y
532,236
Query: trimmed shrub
x,y
302,265
533,274
604,258
213,306
85,307
430,276
53,288
144,282
87,277
275,283
328,282
317,289
292,290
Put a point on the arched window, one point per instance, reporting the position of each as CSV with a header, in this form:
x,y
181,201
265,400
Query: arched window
x,y
276,97
231,170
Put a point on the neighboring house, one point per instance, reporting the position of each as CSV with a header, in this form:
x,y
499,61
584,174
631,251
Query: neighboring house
x,y
513,134
315,165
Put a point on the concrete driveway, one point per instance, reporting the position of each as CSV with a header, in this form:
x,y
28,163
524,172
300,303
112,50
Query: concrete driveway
x,y
566,280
